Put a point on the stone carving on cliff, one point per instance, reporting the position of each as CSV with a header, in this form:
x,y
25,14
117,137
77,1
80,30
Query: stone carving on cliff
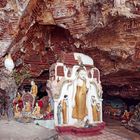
x,y
9,20
118,34
124,8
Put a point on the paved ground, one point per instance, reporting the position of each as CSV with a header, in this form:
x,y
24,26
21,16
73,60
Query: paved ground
x,y
106,135
13,130
19,131
113,131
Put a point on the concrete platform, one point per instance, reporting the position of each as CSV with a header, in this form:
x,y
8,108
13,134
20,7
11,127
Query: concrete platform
x,y
12,130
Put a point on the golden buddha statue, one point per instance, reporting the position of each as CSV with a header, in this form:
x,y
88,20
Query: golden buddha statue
x,y
17,113
98,111
18,96
27,107
80,108
95,112
64,109
34,89
36,111
49,108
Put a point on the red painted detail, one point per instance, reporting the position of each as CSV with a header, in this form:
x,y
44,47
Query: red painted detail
x,y
68,58
95,130
40,103
60,71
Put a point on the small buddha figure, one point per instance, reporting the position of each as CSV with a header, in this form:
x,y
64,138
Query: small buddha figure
x,y
18,96
34,89
59,110
36,111
17,113
49,113
98,111
49,108
94,108
27,107
125,116
18,100
64,103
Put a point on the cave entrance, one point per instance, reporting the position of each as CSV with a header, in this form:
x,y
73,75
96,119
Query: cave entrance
x,y
42,48
120,109
115,103
40,81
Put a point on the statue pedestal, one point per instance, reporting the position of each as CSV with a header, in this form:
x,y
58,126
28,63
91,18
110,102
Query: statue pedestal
x,y
81,131
77,93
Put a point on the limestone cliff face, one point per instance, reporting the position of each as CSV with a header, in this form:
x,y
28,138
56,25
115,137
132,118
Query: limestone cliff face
x,y
36,31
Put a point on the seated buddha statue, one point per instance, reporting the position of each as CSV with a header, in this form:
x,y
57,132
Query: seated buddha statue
x,y
36,112
49,109
17,113
27,107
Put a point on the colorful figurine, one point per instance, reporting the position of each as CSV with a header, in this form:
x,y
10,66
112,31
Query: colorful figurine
x,y
125,116
36,112
18,100
80,108
34,89
27,107
49,108
64,109
59,110
94,109
17,113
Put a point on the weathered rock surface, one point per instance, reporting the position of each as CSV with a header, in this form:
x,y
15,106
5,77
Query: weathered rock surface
x,y
8,85
36,31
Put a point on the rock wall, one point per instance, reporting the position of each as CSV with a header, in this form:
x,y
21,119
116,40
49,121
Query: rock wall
x,y
8,85
36,31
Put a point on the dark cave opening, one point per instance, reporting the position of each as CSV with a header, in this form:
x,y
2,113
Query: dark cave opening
x,y
114,104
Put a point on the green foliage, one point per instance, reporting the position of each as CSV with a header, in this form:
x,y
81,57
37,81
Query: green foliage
x,y
19,76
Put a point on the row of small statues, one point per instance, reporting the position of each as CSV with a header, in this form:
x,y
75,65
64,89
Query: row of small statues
x,y
78,114
26,108
131,118
26,111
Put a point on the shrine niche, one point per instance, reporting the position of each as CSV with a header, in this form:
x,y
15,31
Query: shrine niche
x,y
77,92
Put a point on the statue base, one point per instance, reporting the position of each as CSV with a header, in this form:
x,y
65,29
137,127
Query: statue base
x,y
81,131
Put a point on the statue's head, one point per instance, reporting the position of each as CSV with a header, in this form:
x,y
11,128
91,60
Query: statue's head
x,y
65,96
32,82
82,73
36,104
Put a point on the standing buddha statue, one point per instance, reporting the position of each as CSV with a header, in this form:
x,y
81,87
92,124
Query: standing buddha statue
x,y
34,89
